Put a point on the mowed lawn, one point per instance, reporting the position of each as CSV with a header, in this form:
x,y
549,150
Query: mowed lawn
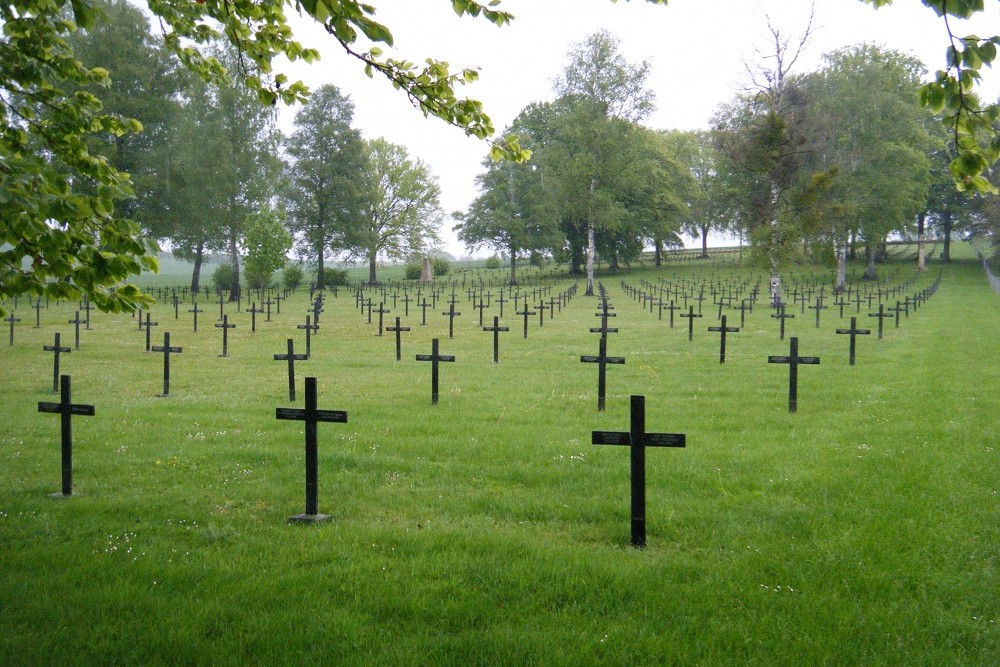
x,y
861,530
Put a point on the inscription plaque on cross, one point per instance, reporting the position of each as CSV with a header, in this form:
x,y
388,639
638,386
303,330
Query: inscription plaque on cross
x,y
291,358
793,360
435,359
496,329
602,360
723,330
311,416
637,439
854,332
399,340
66,409
56,349
167,350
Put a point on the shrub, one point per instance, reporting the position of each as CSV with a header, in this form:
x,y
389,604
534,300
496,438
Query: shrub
x,y
536,259
291,276
412,271
492,262
222,277
336,277
440,266
258,280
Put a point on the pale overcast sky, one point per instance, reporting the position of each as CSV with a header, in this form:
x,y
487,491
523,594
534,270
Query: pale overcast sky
x,y
696,49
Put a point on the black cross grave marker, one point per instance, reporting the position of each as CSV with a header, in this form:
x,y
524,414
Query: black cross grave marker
x,y
525,313
602,359
253,310
38,312
55,348
291,358
691,315
382,311
399,342
86,309
311,416
66,409
225,326
149,327
76,321
12,319
854,331
781,316
310,328
496,329
434,358
723,330
881,316
793,360
167,350
818,307
637,440
451,319
195,310
481,306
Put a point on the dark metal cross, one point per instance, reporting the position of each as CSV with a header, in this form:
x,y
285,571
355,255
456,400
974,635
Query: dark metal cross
x,y
253,310
57,349
854,331
166,349
76,321
723,330
382,311
481,306
496,329
435,359
818,307
881,315
291,358
149,327
637,439
225,326
781,316
691,315
12,319
86,309
793,360
38,312
195,310
311,416
602,360
451,319
672,307
399,341
310,328
526,313
66,409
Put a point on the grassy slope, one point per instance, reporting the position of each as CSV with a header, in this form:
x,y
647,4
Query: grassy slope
x,y
487,529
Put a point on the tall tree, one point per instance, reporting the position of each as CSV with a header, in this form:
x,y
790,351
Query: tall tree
x,y
708,207
606,94
515,211
868,134
267,243
400,210
324,191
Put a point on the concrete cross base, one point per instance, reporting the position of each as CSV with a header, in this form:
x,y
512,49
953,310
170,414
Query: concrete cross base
x,y
308,518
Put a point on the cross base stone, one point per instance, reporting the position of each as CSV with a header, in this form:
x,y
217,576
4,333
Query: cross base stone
x,y
62,495
308,518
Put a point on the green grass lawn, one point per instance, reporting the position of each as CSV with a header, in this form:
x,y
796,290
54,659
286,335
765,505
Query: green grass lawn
x,y
861,530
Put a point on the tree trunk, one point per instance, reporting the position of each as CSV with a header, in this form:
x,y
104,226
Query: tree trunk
x,y
870,272
199,258
946,223
658,252
590,259
704,242
234,258
921,250
372,277
776,299
840,251
852,253
320,271
513,265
